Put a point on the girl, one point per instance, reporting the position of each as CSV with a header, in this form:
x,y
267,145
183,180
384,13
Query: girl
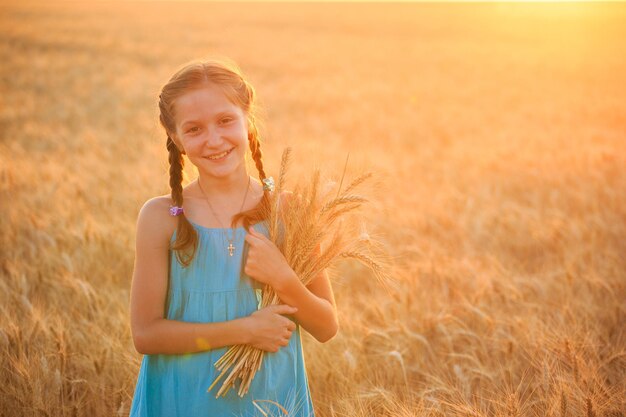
x,y
193,287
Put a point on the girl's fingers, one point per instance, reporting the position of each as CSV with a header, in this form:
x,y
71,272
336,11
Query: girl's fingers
x,y
251,238
283,309
256,234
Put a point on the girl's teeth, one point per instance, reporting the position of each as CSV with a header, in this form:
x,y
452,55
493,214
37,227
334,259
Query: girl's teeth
x,y
219,156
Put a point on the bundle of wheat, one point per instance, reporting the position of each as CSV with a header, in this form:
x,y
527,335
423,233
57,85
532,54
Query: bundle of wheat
x,y
313,218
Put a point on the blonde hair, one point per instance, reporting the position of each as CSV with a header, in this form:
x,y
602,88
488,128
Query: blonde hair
x,y
197,74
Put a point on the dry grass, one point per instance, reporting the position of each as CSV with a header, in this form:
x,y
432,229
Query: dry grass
x,y
497,131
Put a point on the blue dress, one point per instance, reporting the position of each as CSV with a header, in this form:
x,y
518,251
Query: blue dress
x,y
214,288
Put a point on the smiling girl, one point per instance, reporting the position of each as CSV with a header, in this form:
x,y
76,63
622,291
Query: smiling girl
x,y
201,252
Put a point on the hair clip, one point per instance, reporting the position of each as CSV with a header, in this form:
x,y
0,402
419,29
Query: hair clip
x,y
175,210
268,183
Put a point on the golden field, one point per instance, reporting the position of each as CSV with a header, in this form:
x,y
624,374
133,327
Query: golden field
x,y
497,135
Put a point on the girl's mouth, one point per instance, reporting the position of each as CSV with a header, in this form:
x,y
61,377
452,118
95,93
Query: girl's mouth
x,y
219,156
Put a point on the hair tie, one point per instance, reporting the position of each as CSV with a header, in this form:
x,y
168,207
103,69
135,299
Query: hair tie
x,y
175,210
268,183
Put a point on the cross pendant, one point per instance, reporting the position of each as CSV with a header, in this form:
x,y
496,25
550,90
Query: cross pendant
x,y
231,248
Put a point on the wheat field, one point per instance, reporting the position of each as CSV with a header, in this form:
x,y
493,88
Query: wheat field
x,y
496,133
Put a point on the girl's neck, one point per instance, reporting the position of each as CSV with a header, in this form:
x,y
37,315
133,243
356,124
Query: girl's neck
x,y
225,187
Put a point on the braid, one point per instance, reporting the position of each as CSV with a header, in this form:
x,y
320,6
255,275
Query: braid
x,y
255,147
261,211
176,172
186,235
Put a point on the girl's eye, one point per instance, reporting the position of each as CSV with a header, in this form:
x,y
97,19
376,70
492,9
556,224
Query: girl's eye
x,y
224,121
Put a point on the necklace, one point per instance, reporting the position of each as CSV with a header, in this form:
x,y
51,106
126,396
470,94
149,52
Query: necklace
x,y
230,247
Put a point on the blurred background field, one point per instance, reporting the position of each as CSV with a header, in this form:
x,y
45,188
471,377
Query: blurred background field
x,y
497,135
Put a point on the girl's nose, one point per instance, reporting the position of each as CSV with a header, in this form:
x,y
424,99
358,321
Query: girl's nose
x,y
213,137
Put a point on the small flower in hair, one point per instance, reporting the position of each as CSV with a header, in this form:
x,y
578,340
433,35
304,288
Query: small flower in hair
x,y
175,210
268,183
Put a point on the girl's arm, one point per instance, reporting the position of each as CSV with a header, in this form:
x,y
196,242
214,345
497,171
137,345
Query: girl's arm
x,y
152,333
315,302
317,311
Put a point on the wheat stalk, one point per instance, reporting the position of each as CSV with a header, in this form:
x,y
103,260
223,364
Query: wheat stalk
x,y
311,220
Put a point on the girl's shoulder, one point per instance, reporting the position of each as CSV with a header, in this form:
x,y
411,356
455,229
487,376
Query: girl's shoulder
x,y
155,222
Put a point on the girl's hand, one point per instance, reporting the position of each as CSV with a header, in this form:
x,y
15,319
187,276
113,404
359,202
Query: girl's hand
x,y
265,262
268,330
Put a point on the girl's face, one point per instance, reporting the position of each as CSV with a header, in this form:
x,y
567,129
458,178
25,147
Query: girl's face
x,y
212,131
